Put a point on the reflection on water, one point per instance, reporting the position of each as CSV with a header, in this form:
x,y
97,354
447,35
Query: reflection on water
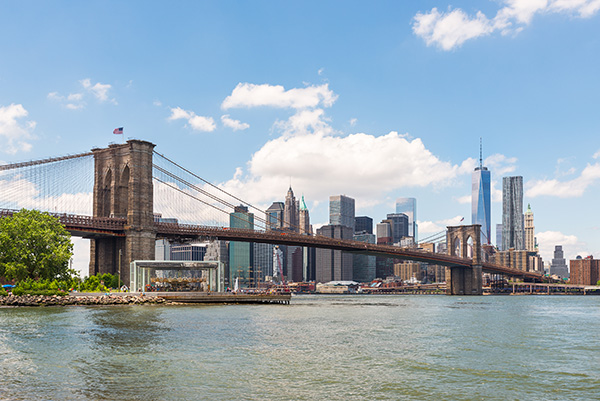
x,y
333,347
124,345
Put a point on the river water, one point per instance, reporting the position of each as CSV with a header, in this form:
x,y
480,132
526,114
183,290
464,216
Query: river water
x,y
318,347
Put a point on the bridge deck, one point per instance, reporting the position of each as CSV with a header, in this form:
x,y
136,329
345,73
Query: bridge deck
x,y
90,227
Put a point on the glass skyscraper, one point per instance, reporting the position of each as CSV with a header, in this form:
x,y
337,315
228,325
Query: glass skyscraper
x,y
512,213
341,211
364,266
400,226
241,254
408,206
274,215
481,202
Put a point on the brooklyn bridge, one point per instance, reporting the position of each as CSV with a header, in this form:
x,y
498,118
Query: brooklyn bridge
x,y
112,197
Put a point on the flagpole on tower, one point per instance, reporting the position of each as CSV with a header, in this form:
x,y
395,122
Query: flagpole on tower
x,y
119,131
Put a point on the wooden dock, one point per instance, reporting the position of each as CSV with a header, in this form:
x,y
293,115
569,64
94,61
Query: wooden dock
x,y
222,297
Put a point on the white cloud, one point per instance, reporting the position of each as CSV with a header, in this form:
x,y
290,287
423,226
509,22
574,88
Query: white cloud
x,y
353,122
572,246
321,164
451,29
453,221
200,123
73,101
565,189
100,91
251,95
322,161
500,164
15,134
305,122
429,228
496,193
76,101
197,123
463,200
596,155
235,125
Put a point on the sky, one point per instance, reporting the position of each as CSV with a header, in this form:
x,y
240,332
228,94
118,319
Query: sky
x,y
373,100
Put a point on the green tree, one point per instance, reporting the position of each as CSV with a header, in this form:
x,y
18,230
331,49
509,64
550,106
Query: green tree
x,y
34,245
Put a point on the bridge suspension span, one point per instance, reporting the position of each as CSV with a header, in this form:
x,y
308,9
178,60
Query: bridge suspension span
x,y
127,195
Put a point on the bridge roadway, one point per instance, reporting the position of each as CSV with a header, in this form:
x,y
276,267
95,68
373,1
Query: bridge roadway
x,y
94,227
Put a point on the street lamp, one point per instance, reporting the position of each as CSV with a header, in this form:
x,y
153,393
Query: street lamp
x,y
119,269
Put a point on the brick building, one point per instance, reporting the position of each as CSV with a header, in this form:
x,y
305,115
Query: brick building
x,y
585,271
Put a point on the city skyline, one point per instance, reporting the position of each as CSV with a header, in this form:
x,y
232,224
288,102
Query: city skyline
x,y
250,99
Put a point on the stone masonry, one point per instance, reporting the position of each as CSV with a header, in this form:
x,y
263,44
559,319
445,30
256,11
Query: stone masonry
x,y
123,188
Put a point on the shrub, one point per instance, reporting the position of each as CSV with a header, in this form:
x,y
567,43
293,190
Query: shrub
x,y
41,287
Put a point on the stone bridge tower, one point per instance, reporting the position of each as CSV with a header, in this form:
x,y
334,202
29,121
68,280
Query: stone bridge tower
x,y
123,188
464,241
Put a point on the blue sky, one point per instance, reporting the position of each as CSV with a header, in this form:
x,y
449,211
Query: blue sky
x,y
374,100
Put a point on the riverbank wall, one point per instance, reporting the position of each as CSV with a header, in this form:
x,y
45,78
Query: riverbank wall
x,y
68,300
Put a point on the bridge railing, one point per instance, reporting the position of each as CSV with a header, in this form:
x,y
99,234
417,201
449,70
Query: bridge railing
x,y
79,221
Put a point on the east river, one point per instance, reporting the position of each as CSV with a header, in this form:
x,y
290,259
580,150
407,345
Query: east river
x,y
318,347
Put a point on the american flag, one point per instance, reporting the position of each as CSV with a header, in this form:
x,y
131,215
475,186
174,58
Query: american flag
x,y
118,131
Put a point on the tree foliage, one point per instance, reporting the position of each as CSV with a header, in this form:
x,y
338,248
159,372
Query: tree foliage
x,y
100,283
34,245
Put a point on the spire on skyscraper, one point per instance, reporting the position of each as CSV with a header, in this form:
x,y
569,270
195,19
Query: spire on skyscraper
x,y
303,204
480,153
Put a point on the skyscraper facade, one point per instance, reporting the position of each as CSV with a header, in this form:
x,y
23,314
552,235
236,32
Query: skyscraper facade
x,y
529,230
408,206
559,264
304,218
262,264
499,236
384,233
341,211
241,254
363,224
333,264
512,213
400,226
217,250
364,266
290,212
274,216
188,251
307,258
481,201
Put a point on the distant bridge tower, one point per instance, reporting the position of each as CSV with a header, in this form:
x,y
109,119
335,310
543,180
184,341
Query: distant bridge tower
x,y
464,241
123,188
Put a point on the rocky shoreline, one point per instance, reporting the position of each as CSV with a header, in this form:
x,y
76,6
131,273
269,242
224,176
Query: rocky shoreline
x,y
78,300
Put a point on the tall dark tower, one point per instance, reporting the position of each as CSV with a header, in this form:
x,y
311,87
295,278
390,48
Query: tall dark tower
x,y
290,211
